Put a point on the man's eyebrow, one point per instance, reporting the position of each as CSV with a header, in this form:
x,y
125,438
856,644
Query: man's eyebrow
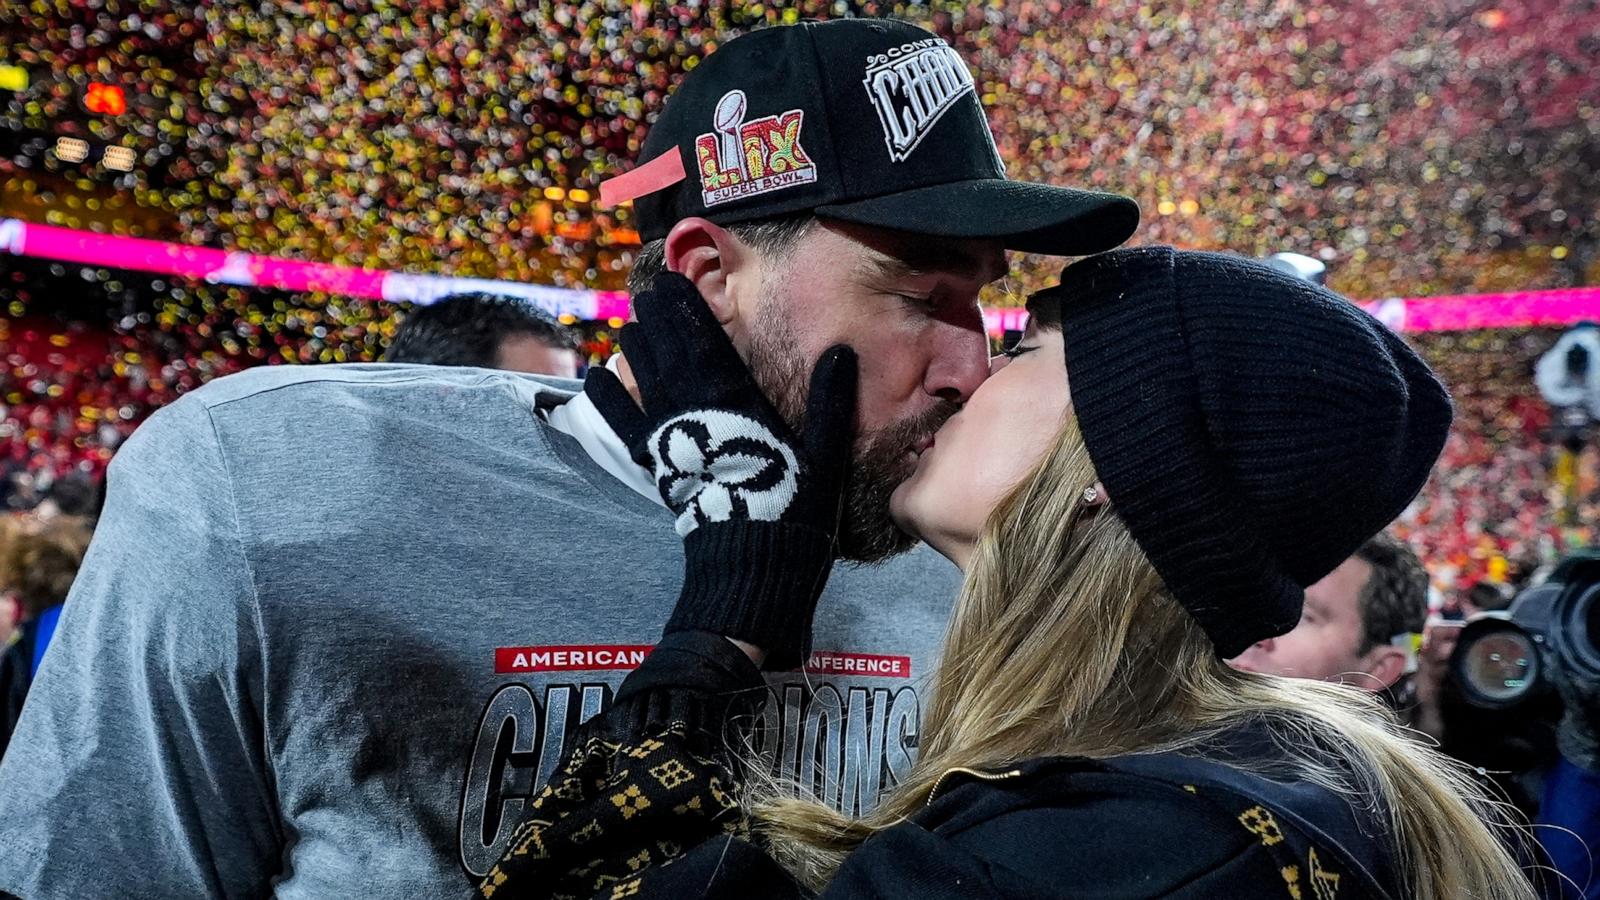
x,y
914,260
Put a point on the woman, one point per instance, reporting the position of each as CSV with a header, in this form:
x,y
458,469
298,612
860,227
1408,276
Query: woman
x,y
1178,446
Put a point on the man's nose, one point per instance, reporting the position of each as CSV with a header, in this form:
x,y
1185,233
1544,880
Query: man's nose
x,y
960,363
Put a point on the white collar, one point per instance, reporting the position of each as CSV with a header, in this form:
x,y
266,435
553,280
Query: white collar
x,y
579,419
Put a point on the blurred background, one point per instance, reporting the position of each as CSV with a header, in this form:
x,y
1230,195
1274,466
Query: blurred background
x,y
1417,149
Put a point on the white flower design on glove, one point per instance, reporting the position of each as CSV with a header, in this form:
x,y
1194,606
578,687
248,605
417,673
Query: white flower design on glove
x,y
711,465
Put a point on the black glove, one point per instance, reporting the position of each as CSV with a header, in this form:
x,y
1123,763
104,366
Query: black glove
x,y
758,506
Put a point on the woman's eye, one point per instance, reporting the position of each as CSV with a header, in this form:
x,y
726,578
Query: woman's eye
x,y
1017,350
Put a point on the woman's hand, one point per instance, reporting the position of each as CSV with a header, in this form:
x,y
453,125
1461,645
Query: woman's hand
x,y
758,505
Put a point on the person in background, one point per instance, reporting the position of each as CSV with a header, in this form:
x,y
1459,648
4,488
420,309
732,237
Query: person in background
x,y
75,495
488,331
10,609
38,562
1351,620
1554,782
1348,633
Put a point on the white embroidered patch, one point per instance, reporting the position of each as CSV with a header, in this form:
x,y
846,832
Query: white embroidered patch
x,y
911,87
742,159
712,464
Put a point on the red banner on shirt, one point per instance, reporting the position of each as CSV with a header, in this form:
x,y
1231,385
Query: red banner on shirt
x,y
571,658
830,662
614,657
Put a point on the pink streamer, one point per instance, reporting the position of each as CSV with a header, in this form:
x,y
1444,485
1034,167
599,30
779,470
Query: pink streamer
x,y
1455,313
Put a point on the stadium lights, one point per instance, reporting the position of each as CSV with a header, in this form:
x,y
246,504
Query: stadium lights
x,y
71,149
118,159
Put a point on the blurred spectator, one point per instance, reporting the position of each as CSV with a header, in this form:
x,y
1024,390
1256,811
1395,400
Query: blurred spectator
x,y
10,609
487,331
74,494
37,566
1496,506
1357,622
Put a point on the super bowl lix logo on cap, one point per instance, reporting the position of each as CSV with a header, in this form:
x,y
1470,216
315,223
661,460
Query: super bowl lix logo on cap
x,y
742,159
911,87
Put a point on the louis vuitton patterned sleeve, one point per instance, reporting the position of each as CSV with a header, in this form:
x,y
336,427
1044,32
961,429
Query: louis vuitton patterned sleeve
x,y
649,781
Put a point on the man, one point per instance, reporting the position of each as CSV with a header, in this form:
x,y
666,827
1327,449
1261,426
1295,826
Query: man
x,y
339,620
1351,619
486,331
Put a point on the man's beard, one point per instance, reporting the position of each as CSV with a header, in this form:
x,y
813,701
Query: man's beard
x,y
880,463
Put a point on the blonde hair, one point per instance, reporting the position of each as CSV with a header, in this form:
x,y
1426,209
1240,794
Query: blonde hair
x,y
1065,641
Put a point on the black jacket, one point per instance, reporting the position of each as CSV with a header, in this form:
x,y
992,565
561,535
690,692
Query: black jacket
x,y
1158,825
16,676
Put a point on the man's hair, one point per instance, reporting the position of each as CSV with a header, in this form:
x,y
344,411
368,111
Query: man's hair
x,y
774,236
1394,600
468,330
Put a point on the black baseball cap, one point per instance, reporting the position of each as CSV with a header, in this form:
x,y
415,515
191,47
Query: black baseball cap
x,y
870,121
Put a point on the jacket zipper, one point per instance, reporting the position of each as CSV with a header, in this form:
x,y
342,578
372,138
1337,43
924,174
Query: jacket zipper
x,y
975,773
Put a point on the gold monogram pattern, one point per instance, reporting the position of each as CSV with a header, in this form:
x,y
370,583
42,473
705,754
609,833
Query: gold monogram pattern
x,y
672,773
1291,878
631,801
598,807
1260,823
615,812
1324,882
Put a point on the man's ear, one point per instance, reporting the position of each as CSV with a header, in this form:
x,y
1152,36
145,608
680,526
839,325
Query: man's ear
x,y
1385,665
713,260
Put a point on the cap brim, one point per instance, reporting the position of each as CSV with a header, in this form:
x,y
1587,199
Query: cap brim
x,y
1032,218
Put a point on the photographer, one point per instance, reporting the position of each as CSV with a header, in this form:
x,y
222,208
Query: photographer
x,y
1353,623
1514,692
1570,814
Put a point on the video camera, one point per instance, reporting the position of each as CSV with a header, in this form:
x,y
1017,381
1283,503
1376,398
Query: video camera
x,y
1505,659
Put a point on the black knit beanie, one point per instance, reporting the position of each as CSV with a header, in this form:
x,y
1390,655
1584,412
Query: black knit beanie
x,y
1251,429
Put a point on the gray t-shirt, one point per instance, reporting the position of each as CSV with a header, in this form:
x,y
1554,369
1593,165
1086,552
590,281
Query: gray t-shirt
x,y
337,622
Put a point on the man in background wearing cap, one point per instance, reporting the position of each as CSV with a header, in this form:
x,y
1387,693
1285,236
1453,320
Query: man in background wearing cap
x,y
257,688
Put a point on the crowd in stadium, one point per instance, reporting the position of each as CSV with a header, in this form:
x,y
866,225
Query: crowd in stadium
x,y
471,138
1495,508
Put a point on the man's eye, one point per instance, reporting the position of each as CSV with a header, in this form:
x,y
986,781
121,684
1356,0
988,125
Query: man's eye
x,y
920,302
